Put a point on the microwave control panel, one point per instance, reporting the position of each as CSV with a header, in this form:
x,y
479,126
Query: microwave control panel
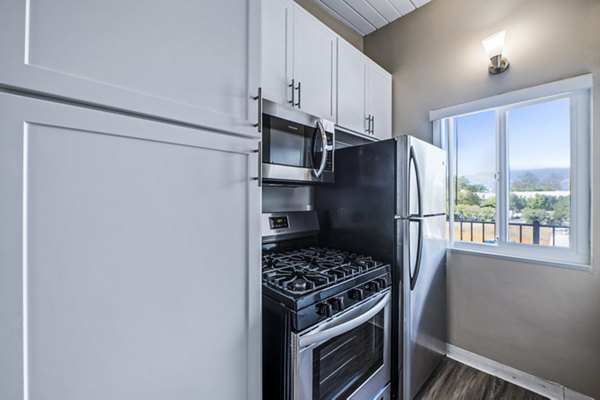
x,y
329,162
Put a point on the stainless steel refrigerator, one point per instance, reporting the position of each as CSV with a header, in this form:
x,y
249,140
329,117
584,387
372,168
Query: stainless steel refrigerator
x,y
389,201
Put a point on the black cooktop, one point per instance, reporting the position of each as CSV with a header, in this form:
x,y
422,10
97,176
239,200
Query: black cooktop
x,y
304,276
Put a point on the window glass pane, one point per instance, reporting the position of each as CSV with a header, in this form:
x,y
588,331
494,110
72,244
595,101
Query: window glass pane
x,y
475,185
539,180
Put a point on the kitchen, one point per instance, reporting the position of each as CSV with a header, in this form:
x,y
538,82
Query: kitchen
x,y
131,175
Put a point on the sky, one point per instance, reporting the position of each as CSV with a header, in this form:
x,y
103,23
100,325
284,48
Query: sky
x,y
538,137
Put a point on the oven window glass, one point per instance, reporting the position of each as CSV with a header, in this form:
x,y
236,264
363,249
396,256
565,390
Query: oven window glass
x,y
342,364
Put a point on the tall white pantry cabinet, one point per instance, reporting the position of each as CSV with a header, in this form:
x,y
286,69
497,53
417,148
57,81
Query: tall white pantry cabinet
x,y
129,204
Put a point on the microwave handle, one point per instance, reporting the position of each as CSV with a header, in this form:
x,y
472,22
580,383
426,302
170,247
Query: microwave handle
x,y
321,129
324,335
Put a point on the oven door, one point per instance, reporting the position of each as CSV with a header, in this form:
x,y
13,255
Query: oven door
x,y
297,152
347,356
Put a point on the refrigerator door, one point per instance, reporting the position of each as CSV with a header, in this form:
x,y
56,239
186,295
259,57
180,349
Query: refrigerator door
x,y
427,174
424,300
357,212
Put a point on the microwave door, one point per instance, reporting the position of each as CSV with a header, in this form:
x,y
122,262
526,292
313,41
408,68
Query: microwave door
x,y
287,143
294,152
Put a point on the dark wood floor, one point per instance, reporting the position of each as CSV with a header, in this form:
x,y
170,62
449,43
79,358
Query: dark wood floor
x,y
455,381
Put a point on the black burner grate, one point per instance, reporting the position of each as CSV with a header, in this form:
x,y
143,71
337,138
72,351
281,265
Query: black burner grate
x,y
302,271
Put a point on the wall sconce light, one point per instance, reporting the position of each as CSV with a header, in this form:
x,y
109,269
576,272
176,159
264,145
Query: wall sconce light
x,y
493,47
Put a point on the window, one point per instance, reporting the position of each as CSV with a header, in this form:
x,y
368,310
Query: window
x,y
519,173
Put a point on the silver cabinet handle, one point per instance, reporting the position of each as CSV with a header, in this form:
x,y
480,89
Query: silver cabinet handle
x,y
259,155
299,95
258,124
321,130
363,316
293,86
372,124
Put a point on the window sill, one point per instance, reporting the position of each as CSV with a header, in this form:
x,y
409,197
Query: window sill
x,y
529,260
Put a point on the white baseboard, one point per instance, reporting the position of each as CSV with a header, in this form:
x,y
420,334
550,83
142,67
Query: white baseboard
x,y
537,385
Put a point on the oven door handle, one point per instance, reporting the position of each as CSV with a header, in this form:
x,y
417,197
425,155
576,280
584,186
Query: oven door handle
x,y
337,330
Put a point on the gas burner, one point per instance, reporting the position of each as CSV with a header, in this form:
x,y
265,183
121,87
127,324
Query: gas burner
x,y
294,280
362,263
271,262
301,271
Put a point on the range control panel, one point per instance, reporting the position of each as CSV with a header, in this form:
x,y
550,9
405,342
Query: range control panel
x,y
279,222
355,295
277,226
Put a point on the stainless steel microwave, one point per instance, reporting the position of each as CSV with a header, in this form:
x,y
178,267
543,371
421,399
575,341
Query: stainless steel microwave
x,y
296,147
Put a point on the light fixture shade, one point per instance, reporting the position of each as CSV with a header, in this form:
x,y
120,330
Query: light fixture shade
x,y
494,44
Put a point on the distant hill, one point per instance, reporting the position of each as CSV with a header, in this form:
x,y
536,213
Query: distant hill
x,y
550,178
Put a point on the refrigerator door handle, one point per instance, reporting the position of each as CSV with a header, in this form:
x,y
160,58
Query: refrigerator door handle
x,y
414,276
413,160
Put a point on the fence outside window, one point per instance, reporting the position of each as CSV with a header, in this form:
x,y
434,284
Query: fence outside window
x,y
534,233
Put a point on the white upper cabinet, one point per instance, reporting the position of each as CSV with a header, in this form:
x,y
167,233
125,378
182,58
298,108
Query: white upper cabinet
x,y
277,21
298,59
351,88
196,62
314,65
379,100
364,93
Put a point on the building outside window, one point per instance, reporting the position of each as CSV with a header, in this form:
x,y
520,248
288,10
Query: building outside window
x,y
519,173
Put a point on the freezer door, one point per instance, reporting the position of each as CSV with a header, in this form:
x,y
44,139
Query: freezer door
x,y
424,301
427,176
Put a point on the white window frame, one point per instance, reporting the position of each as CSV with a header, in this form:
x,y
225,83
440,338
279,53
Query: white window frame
x,y
578,91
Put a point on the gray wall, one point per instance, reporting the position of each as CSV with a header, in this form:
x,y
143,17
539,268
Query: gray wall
x,y
333,23
542,320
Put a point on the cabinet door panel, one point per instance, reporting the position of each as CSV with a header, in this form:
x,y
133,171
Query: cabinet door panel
x,y
277,50
181,60
379,100
314,64
351,97
118,238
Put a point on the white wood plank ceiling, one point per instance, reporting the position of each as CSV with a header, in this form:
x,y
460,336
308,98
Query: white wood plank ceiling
x,y
366,16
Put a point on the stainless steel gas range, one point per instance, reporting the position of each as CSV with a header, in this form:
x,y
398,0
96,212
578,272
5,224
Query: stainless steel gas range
x,y
326,316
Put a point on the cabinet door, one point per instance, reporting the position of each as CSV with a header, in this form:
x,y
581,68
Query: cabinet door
x,y
314,65
351,97
129,258
379,100
277,50
191,61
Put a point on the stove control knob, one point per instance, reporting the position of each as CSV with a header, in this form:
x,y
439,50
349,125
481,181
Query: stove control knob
x,y
337,303
325,309
372,286
356,294
383,282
